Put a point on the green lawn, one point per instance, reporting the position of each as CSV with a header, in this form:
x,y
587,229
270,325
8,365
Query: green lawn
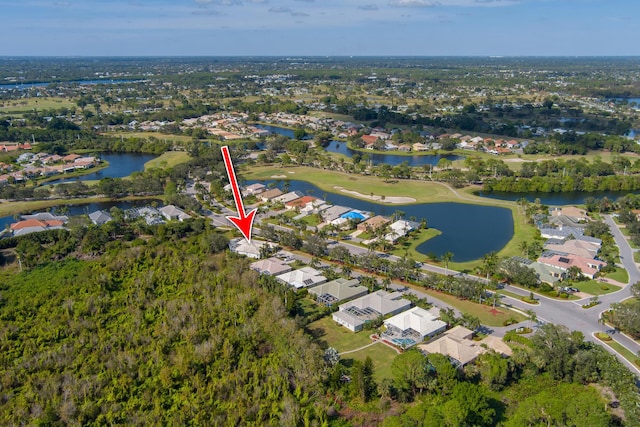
x,y
382,357
147,135
421,191
636,257
594,287
483,312
329,334
168,160
627,354
409,247
30,104
620,275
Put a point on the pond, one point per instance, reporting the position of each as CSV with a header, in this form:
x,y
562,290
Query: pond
x,y
375,158
390,159
85,208
564,198
120,165
468,231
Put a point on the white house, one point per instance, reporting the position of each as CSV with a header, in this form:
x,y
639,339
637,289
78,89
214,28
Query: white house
x,y
353,315
251,249
412,326
270,266
171,212
302,278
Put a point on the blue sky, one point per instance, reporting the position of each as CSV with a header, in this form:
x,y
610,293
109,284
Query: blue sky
x,y
319,27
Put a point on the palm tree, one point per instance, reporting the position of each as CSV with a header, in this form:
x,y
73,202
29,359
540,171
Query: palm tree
x,y
532,316
524,247
489,263
446,257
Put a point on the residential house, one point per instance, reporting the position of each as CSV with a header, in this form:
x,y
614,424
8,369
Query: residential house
x,y
152,216
576,214
399,229
46,216
302,278
271,266
373,223
561,232
419,146
251,249
575,247
354,314
457,345
254,189
412,326
270,194
369,140
288,197
100,217
171,212
547,273
338,290
300,202
334,212
589,267
28,226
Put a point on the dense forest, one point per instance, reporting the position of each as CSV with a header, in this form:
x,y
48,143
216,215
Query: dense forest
x,y
155,325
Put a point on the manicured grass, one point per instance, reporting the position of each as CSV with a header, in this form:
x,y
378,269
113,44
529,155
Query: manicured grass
x,y
30,104
627,354
167,160
620,275
147,135
636,257
421,191
382,357
329,334
594,287
413,242
307,307
483,312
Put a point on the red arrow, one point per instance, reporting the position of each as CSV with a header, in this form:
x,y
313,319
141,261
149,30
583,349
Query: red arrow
x,y
244,222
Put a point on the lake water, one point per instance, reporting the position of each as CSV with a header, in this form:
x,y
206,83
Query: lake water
x,y
468,231
23,86
120,165
554,199
390,159
84,208
375,158
277,129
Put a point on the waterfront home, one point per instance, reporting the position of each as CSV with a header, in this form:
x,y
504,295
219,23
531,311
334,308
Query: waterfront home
x,y
171,212
100,217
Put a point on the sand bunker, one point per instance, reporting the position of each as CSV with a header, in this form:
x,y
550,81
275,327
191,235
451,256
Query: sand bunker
x,y
386,199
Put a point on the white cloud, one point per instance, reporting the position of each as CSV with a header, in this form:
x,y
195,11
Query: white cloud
x,y
456,3
414,3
